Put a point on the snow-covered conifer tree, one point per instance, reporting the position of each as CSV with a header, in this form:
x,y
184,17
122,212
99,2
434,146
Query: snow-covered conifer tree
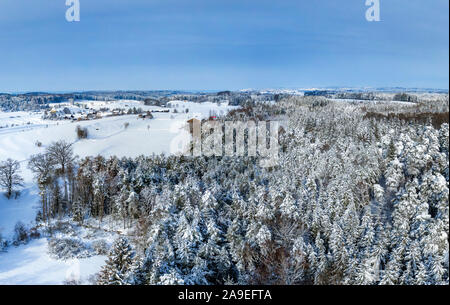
x,y
119,265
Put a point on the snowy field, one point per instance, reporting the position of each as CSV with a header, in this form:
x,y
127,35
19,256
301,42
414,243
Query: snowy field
x,y
107,136
22,209
21,131
31,264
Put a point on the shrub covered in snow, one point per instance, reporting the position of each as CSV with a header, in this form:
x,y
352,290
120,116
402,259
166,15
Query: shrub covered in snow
x,y
21,234
68,248
65,228
100,247
3,243
71,282
82,133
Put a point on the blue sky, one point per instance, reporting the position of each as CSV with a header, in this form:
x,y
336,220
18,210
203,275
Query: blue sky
x,y
218,44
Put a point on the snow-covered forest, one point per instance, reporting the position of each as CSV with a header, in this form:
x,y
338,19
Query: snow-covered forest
x,y
359,196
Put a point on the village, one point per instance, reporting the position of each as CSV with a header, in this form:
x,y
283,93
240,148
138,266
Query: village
x,y
85,111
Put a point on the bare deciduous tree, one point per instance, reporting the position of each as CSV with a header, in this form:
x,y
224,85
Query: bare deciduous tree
x,y
62,154
9,176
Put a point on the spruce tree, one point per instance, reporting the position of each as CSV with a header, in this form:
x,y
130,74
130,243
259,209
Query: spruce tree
x,y
119,265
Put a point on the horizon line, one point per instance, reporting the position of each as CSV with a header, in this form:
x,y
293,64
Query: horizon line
x,y
342,88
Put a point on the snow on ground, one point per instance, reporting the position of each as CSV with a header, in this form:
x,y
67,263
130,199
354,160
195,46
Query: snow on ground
x,y
22,209
19,118
201,110
107,136
121,104
31,264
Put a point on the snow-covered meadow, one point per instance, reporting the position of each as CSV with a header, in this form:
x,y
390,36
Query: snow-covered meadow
x,y
23,134
31,264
